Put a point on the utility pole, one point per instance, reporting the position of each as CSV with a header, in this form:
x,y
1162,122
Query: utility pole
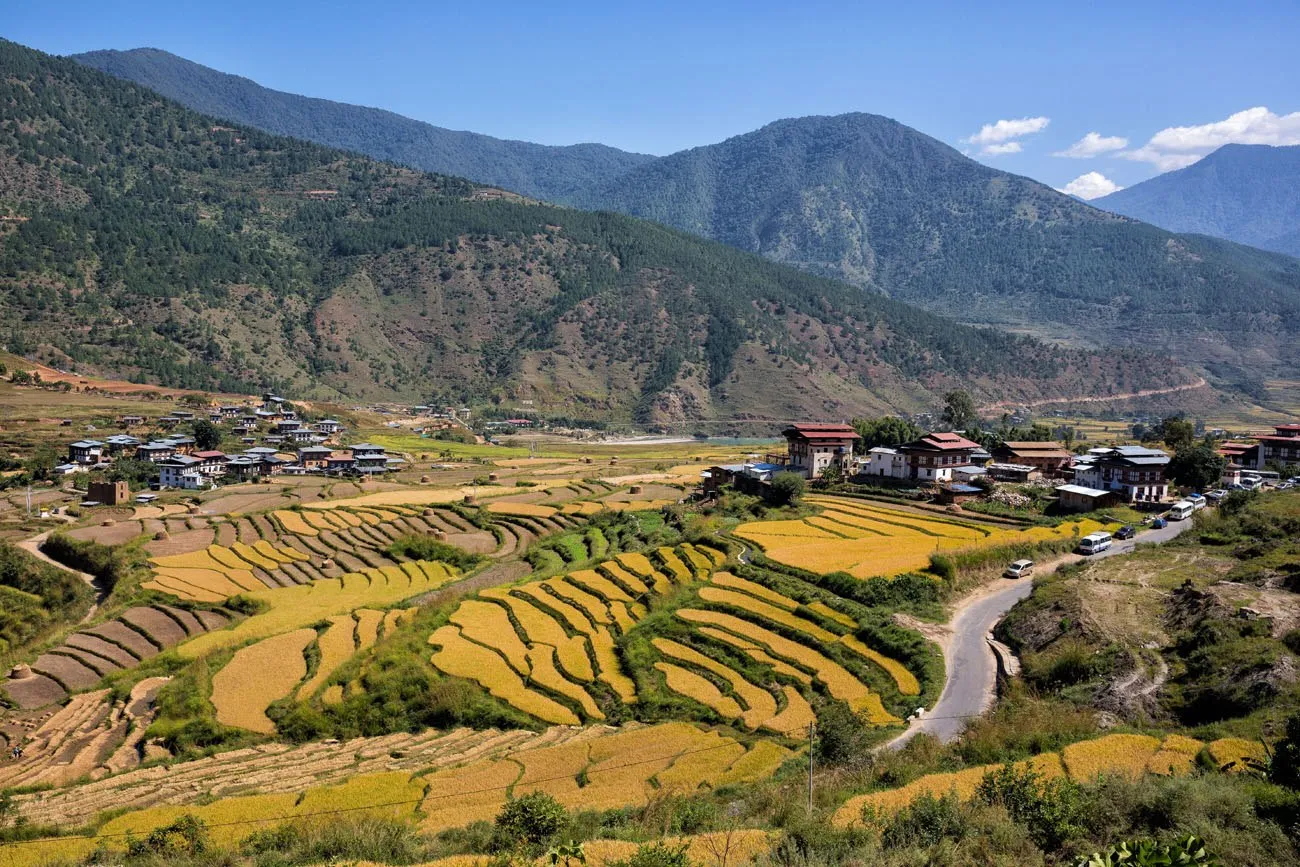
x,y
810,766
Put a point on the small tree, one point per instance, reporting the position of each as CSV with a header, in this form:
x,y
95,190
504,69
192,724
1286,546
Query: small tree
x,y
787,488
959,410
206,435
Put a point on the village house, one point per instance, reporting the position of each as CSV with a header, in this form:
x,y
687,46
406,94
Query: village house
x,y
85,452
301,435
180,471
244,467
230,412
182,414
1049,458
1015,473
812,448
1134,473
314,457
1280,447
284,425
212,463
130,421
184,445
119,443
328,426
1078,498
935,456
340,462
882,462
370,459
168,421
158,450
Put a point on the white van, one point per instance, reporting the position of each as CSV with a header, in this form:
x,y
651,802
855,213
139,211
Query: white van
x,y
1094,543
1198,501
1020,569
1181,511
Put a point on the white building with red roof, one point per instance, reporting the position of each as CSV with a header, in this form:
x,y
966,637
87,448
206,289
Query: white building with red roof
x,y
814,447
935,456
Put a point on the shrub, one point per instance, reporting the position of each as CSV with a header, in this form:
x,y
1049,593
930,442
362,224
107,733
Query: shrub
x,y
1050,810
532,821
925,822
787,488
658,854
419,547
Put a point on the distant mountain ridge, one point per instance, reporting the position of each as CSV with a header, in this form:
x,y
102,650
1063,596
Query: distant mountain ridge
x,y
867,200
540,171
150,242
1244,193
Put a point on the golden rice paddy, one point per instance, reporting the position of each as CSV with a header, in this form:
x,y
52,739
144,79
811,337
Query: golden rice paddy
x,y
866,539
258,675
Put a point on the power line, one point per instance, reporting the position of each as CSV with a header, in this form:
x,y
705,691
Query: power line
x,y
460,794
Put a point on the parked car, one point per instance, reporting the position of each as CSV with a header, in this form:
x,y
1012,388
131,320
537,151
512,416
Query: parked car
x,y
1020,569
1286,486
1125,532
1159,524
1216,495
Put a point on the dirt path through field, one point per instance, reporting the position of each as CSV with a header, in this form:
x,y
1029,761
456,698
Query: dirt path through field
x,y
1146,392
33,546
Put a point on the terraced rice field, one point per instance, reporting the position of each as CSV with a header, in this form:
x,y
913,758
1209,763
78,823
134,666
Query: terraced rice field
x,y
1127,755
256,676
88,655
290,608
494,640
867,539
473,774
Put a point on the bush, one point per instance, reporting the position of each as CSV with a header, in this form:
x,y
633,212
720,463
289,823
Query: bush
x,y
108,564
925,822
419,547
657,854
787,488
531,822
1050,810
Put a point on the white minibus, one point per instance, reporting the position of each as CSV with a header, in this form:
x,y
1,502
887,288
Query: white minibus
x,y
1094,543
1181,511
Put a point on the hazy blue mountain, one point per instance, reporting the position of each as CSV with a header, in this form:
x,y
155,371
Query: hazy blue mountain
x,y
542,171
1245,193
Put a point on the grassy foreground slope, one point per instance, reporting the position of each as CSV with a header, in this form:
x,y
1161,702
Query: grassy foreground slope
x,y
149,241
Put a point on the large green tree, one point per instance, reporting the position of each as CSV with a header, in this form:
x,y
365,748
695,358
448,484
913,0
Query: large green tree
x,y
1197,467
888,431
959,410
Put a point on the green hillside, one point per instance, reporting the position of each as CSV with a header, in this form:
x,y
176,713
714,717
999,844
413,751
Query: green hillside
x,y
542,171
149,241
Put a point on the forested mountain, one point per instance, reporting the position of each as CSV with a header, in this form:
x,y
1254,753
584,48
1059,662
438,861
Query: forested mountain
x,y
1245,193
554,173
867,200
876,203
143,239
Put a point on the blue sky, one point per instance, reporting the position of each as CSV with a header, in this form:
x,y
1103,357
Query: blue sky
x,y
664,76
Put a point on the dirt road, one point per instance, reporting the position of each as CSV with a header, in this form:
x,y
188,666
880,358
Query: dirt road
x,y
970,682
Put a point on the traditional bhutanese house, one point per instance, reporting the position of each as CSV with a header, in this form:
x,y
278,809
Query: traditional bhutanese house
x,y
85,451
180,471
130,421
329,426
301,435
1078,498
119,443
284,425
183,445
212,462
155,451
956,493
183,414
1134,473
1049,458
815,447
244,467
370,459
1281,447
933,457
230,411
341,461
314,457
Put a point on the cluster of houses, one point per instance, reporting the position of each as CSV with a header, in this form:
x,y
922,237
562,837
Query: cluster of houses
x,y
182,465
954,464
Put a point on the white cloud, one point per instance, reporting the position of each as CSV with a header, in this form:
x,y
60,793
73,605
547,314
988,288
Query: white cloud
x,y
1093,144
1177,147
1003,130
1092,185
997,150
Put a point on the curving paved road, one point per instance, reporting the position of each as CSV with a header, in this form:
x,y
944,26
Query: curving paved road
x,y
971,677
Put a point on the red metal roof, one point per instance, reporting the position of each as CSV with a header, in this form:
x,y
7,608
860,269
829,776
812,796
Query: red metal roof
x,y
212,454
948,441
819,431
